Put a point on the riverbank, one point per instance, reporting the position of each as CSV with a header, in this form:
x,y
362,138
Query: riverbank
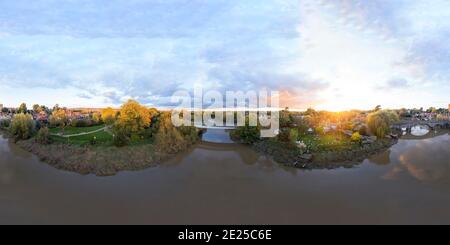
x,y
98,160
287,155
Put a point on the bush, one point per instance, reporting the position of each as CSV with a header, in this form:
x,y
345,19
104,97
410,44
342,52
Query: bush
x,y
43,136
81,123
22,126
4,123
74,123
379,122
246,134
121,135
293,135
362,130
356,137
189,133
168,138
319,130
303,129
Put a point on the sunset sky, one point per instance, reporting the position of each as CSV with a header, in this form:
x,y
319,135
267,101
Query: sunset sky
x,y
324,54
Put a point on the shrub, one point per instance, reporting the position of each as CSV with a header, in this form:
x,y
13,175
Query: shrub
x,y
293,135
246,134
4,123
74,123
81,123
42,136
303,129
189,133
356,137
283,135
363,130
168,138
319,130
22,126
121,135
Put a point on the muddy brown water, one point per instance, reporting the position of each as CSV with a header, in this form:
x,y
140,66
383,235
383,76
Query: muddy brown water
x,y
231,184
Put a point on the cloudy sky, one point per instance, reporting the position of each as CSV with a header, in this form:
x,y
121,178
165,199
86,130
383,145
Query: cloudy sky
x,y
324,54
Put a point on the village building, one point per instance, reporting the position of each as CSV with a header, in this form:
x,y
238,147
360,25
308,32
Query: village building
x,y
41,116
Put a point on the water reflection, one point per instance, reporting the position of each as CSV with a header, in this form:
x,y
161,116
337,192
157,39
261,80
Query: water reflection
x,y
383,158
426,160
420,130
217,136
230,183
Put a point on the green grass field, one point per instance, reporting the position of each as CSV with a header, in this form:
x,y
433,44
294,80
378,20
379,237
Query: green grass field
x,y
101,138
327,142
75,130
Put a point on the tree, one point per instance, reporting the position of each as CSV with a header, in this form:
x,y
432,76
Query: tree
x,y
109,116
168,138
121,135
246,134
134,117
379,122
432,109
22,126
56,107
37,108
377,108
285,118
22,108
42,136
310,112
59,118
96,118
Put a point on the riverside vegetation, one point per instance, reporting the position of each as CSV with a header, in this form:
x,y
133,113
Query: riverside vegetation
x,y
132,138
321,139
136,137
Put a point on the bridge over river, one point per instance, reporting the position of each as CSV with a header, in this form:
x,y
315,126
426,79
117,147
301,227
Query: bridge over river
x,y
431,124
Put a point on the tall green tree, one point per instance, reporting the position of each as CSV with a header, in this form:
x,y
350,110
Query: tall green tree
x,y
22,126
379,122
22,108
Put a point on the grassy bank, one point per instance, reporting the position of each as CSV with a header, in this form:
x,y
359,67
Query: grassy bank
x,y
98,160
75,130
322,157
97,138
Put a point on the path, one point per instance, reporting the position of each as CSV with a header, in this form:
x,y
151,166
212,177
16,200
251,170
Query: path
x,y
80,134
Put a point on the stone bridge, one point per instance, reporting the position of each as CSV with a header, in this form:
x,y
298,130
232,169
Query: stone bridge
x,y
431,124
214,127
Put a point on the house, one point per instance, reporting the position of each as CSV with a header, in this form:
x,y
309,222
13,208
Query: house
x,y
74,114
1,107
41,116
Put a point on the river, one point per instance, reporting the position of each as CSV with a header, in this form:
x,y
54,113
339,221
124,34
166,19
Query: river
x,y
231,184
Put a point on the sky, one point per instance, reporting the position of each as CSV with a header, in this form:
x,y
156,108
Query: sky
x,y
333,55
